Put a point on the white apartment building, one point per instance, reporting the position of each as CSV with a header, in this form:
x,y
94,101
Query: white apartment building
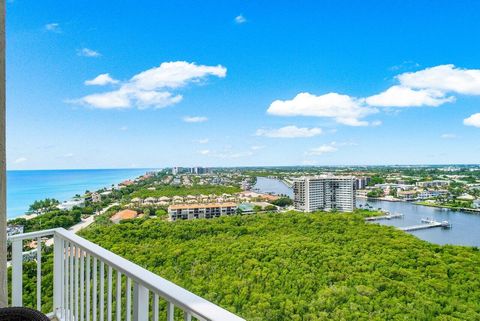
x,y
325,193
193,211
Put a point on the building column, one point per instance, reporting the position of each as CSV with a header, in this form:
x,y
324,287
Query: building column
x,y
3,168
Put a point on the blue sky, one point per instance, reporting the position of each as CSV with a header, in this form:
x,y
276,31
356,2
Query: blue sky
x,y
233,83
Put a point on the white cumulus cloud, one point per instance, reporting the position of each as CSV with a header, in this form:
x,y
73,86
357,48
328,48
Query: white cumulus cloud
x,y
53,27
101,80
195,119
240,19
448,136
446,78
150,88
432,87
400,96
20,160
323,149
289,132
473,120
86,52
342,108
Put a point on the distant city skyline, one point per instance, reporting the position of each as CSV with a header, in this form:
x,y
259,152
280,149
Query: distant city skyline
x,y
241,83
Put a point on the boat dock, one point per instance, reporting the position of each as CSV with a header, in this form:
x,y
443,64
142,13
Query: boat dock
x,y
428,223
387,216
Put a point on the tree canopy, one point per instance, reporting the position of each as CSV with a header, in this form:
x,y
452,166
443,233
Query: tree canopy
x,y
296,266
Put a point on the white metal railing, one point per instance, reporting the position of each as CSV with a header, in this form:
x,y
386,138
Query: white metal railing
x,y
85,276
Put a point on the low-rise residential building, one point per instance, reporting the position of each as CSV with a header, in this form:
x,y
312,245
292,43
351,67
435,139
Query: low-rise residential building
x,y
476,204
194,211
431,194
14,229
70,204
96,197
407,195
466,197
435,183
127,183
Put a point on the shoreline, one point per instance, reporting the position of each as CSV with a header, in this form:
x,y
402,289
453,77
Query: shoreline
x,y
59,188
381,199
464,209
420,203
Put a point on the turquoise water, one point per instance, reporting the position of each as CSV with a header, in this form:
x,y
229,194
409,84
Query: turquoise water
x,y
24,187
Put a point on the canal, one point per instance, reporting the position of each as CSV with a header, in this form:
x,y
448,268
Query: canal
x,y
465,226
273,186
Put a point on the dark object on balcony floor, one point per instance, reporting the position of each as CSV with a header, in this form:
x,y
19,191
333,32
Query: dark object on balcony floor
x,y
21,314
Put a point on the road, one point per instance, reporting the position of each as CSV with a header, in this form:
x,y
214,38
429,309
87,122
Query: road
x,y
84,223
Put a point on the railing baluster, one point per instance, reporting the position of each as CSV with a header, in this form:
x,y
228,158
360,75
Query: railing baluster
x,y
39,274
102,291
170,311
65,280
140,302
95,271
17,272
187,316
88,287
82,287
109,294
57,275
118,300
155,307
76,282
129,299
71,281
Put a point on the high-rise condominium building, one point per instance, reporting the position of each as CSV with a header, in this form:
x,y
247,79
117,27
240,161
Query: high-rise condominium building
x,y
326,192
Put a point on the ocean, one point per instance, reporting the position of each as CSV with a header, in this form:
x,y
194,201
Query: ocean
x,y
25,187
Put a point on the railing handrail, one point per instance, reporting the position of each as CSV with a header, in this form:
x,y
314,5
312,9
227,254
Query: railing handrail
x,y
33,235
180,297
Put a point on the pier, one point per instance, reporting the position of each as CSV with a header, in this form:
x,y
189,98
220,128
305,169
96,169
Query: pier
x,y
428,223
387,216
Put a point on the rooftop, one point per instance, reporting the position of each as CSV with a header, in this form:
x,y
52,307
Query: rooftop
x,y
209,205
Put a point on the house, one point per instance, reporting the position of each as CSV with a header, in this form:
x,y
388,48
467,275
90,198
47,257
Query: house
x,y
150,200
466,197
126,183
476,204
96,197
70,204
407,195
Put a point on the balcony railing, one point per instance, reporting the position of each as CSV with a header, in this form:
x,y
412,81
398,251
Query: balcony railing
x,y
91,283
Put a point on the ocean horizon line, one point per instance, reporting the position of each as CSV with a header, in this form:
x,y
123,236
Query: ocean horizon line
x,y
83,169
26,186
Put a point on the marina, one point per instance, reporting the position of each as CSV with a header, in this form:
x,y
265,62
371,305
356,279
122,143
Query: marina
x,y
387,216
467,224
427,223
